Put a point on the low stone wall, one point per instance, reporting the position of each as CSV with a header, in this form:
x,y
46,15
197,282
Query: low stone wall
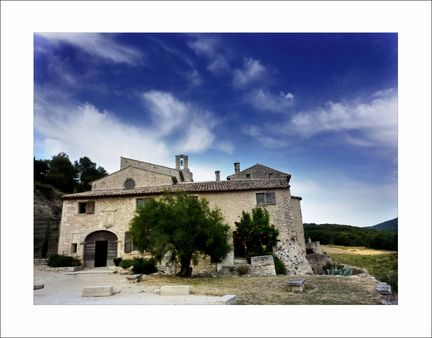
x,y
262,266
40,261
64,269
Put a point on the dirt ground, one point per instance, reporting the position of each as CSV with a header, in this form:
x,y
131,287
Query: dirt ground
x,y
66,288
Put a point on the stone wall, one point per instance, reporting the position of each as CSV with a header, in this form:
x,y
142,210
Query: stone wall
x,y
141,177
257,172
298,220
262,266
114,215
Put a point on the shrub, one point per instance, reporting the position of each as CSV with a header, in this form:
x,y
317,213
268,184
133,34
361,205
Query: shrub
x,y
279,266
126,263
140,265
243,269
117,261
62,261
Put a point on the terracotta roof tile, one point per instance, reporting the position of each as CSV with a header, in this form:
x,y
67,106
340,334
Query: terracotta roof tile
x,y
190,187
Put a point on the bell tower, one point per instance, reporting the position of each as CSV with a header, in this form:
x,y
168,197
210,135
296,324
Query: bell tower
x,y
182,164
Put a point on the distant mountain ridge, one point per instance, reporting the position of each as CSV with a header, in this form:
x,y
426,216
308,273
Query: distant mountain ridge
x,y
391,225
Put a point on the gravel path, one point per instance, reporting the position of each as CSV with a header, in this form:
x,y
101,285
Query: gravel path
x,y
66,288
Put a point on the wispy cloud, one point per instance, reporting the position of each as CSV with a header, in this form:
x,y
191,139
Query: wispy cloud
x,y
251,72
212,49
374,120
96,44
269,102
266,139
193,125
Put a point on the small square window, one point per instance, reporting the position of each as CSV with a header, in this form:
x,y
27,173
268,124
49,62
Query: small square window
x,y
270,175
86,207
74,248
248,175
140,202
266,198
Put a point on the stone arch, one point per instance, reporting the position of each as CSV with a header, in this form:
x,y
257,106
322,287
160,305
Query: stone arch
x,y
100,248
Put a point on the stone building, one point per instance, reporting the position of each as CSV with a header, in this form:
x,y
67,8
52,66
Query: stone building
x,y
94,225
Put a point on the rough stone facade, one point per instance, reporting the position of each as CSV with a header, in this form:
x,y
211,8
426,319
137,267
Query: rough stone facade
x,y
114,209
258,171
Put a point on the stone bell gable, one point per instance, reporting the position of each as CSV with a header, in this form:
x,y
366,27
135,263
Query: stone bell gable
x,y
258,171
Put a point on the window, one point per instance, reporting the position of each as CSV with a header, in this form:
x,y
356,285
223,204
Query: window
x,y
128,244
74,247
248,175
263,198
140,202
86,207
181,163
129,184
270,175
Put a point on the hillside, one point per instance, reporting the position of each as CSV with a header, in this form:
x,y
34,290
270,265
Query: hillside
x,y
339,234
47,212
391,225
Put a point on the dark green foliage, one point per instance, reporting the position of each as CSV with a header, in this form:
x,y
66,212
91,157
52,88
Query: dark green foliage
x,y
181,226
87,172
279,266
45,243
255,236
117,261
140,265
338,234
126,263
62,174
41,168
62,261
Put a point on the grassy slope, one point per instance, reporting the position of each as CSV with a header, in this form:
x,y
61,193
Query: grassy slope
x,y
273,290
379,263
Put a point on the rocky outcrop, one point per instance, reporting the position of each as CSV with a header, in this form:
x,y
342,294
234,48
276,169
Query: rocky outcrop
x,y
294,258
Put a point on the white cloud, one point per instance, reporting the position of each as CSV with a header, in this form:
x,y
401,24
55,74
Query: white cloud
x,y
95,44
198,137
266,140
168,113
83,130
227,147
252,71
195,78
344,201
219,66
266,101
205,46
373,120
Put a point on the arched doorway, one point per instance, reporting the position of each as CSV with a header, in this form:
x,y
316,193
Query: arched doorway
x,y
100,248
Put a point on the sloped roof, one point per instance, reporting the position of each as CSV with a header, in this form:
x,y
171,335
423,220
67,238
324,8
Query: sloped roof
x,y
261,166
190,187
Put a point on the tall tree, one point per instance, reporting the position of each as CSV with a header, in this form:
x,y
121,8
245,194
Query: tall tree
x,y
88,172
62,174
182,226
255,235
41,169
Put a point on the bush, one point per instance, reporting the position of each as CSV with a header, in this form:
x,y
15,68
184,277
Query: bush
x,y
243,269
279,266
62,261
126,263
140,265
117,261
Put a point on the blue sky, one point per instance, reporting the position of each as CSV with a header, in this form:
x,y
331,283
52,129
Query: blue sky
x,y
322,107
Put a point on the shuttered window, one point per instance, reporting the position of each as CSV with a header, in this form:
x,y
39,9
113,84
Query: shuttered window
x,y
140,203
263,198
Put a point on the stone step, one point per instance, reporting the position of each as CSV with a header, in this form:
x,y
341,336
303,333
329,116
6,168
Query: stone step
x,y
240,261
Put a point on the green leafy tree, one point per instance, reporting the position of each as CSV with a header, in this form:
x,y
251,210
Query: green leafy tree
x,y
182,226
41,169
62,174
88,172
255,235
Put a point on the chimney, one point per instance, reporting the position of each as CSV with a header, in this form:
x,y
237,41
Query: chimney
x,y
237,167
217,172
